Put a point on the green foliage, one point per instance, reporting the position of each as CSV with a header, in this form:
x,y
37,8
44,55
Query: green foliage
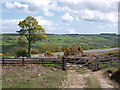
x,y
86,42
21,53
31,30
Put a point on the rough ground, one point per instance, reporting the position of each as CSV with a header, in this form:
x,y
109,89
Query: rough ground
x,y
77,80
104,82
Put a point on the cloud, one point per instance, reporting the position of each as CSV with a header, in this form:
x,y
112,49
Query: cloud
x,y
111,25
34,6
77,18
94,5
67,24
56,24
44,22
71,30
17,6
103,11
89,10
54,6
100,27
9,5
40,6
67,18
11,24
97,16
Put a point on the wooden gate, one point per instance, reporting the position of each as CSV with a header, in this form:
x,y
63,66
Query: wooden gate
x,y
93,63
76,63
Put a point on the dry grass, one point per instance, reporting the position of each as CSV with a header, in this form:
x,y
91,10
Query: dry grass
x,y
31,76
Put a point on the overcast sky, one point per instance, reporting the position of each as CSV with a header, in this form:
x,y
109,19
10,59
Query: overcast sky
x,y
70,16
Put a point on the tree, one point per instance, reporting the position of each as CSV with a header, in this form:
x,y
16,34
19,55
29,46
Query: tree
x,y
31,30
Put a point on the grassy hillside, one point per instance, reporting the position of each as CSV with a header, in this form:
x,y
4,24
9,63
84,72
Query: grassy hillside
x,y
89,41
32,76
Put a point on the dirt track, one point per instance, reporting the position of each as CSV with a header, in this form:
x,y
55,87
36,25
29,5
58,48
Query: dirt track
x,y
76,80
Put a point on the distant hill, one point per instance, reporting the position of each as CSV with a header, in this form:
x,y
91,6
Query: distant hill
x,y
108,34
16,34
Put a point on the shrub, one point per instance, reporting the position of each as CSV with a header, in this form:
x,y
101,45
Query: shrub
x,y
73,50
67,52
48,53
80,49
116,76
21,53
34,52
59,56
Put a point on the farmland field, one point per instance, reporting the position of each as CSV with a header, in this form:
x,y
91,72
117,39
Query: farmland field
x,y
88,41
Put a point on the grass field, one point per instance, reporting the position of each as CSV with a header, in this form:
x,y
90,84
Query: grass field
x,y
32,76
89,41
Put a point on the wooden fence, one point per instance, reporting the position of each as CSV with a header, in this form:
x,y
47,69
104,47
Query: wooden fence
x,y
105,61
94,63
55,62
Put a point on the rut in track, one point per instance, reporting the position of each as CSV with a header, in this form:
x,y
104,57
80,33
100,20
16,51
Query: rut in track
x,y
76,80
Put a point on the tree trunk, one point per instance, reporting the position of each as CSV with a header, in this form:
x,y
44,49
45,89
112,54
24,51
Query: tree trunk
x,y
29,46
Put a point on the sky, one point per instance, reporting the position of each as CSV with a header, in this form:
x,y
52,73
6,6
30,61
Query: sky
x,y
62,17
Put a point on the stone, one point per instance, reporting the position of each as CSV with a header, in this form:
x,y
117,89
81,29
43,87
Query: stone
x,y
54,69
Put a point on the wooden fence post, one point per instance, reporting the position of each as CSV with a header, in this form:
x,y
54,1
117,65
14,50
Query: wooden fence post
x,y
63,63
42,62
96,66
23,61
111,60
3,61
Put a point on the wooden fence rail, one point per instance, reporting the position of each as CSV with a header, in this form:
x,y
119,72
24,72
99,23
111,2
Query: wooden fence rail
x,y
95,62
107,61
24,61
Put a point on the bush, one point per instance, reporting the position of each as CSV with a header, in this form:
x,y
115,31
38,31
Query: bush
x,y
80,49
67,52
116,76
21,53
34,52
48,53
59,56
73,50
